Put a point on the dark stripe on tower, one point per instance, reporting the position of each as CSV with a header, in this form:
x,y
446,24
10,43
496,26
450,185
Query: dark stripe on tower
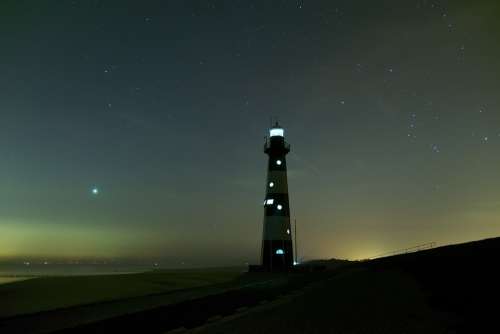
x,y
273,166
278,199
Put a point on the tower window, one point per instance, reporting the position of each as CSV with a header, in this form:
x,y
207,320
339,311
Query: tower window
x,y
279,251
270,201
287,231
280,206
271,184
278,162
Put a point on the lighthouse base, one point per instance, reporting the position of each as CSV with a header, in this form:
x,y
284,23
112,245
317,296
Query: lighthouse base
x,y
277,255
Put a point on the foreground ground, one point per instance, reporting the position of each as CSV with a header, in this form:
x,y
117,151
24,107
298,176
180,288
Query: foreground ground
x,y
356,301
43,305
48,293
450,289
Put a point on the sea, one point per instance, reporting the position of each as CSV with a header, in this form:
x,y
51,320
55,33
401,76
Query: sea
x,y
16,272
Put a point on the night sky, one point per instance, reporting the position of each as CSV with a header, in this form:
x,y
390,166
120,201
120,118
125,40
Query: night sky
x,y
133,130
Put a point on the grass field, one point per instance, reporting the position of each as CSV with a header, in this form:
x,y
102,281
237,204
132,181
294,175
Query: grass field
x,y
48,293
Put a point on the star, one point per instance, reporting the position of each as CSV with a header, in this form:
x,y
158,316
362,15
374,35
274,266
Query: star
x,y
435,148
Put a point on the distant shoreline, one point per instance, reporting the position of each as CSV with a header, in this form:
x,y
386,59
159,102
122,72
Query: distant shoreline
x,y
61,270
28,276
12,279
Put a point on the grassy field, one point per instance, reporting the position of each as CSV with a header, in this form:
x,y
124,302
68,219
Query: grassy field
x,y
48,293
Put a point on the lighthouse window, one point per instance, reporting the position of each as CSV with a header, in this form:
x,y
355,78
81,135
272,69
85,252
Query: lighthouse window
x,y
276,132
279,252
280,206
278,162
271,184
270,201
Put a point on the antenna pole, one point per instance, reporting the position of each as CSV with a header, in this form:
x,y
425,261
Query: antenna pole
x,y
295,235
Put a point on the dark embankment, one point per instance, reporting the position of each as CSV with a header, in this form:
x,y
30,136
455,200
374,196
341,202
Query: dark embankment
x,y
452,289
462,280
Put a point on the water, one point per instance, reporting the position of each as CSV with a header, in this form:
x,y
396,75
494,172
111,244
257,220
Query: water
x,y
14,272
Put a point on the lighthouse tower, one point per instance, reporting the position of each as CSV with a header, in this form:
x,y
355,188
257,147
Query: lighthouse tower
x,y
277,250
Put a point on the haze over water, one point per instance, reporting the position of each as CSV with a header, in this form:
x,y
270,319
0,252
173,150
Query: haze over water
x,y
10,272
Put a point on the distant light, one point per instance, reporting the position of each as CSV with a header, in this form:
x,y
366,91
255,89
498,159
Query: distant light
x,y
280,206
276,132
287,231
295,263
279,251
278,162
95,191
271,184
270,201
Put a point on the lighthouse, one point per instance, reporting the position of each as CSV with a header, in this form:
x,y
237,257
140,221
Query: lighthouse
x,y
277,250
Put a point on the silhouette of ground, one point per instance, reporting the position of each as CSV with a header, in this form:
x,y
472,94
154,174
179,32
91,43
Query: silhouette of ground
x,y
462,279
357,301
452,289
